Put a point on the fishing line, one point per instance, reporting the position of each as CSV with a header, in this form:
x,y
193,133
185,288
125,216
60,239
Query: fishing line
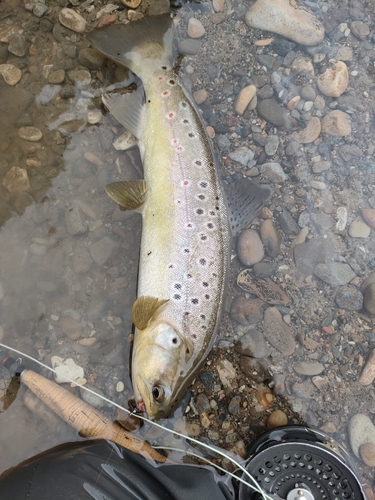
x,y
254,486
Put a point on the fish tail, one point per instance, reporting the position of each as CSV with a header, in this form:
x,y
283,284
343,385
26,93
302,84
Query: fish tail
x,y
143,46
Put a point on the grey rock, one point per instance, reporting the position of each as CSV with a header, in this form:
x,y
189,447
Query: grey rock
x,y
202,403
17,45
70,51
282,46
277,332
102,250
40,9
81,260
288,223
266,60
75,223
361,430
234,405
189,47
106,137
252,344
81,78
271,145
91,58
266,92
334,273
304,390
92,399
274,172
223,142
242,155
270,110
308,93
159,7
247,311
264,269
309,368
369,299
348,297
308,255
292,148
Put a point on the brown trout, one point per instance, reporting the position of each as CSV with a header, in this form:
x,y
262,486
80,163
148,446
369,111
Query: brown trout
x,y
185,246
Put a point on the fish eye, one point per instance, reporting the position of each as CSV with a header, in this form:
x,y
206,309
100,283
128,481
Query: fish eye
x,y
158,393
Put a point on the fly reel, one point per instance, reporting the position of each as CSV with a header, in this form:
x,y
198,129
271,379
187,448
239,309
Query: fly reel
x,y
298,463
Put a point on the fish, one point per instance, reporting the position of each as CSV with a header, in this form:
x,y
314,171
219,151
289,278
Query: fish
x,y
187,226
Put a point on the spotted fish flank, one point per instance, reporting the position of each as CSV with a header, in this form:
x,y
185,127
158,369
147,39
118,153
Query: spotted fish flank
x,y
185,237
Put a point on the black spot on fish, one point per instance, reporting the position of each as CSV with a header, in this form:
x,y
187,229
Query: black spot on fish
x,y
183,104
198,162
174,340
210,225
185,121
194,336
201,196
207,296
194,301
203,237
176,296
203,316
172,82
149,253
199,211
177,286
202,262
203,184
191,134
205,284
164,68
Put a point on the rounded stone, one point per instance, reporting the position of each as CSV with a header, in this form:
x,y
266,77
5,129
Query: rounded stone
x,y
271,111
91,58
368,373
349,298
252,344
249,248
368,215
367,454
57,76
244,98
361,430
72,20
359,229
247,311
31,134
369,299
308,368
277,332
10,73
334,81
16,179
270,237
195,28
286,19
81,78
336,123
370,280
360,29
71,328
311,132
277,419
334,273
17,45
200,96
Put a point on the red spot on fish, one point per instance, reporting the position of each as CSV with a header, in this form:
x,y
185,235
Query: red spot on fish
x,y
165,92
186,183
170,115
179,149
160,78
174,141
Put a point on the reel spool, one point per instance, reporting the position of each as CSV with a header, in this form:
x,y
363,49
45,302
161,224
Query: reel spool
x,y
298,463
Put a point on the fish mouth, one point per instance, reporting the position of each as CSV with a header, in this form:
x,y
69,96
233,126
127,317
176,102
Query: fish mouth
x,y
141,406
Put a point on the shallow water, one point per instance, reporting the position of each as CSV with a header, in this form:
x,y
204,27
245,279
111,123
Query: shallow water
x,y
68,257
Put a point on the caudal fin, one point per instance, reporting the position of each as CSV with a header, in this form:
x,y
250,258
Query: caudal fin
x,y
143,46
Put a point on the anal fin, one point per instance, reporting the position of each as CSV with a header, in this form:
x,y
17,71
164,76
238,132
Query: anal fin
x,y
130,195
245,201
143,310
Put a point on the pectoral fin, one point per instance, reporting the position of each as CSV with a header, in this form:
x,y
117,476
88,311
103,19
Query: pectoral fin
x,y
143,310
130,195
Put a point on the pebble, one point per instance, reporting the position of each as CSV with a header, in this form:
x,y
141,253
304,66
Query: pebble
x,y
81,78
319,185
91,58
361,431
368,373
189,47
277,332
304,390
349,298
102,250
308,368
195,28
40,9
334,273
125,141
252,344
334,81
202,403
249,248
272,145
200,96
369,299
92,399
293,102
94,116
10,73
286,19
287,223
81,260
336,123
56,77
234,405
344,53
66,368
320,166
227,373
131,4
359,229
367,454
243,99
17,45
32,134
16,179
368,215
265,269
71,327
277,419
247,311
370,280
72,20
274,172
303,66
242,155
270,237
271,111
360,29
311,132
74,222
218,5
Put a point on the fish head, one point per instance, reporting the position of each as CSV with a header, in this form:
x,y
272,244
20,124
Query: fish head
x,y
159,367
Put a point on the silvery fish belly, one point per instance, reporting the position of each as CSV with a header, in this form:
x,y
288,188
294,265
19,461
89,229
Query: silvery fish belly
x,y
185,235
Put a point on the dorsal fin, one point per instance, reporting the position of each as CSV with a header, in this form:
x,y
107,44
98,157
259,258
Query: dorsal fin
x,y
130,195
143,310
245,201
